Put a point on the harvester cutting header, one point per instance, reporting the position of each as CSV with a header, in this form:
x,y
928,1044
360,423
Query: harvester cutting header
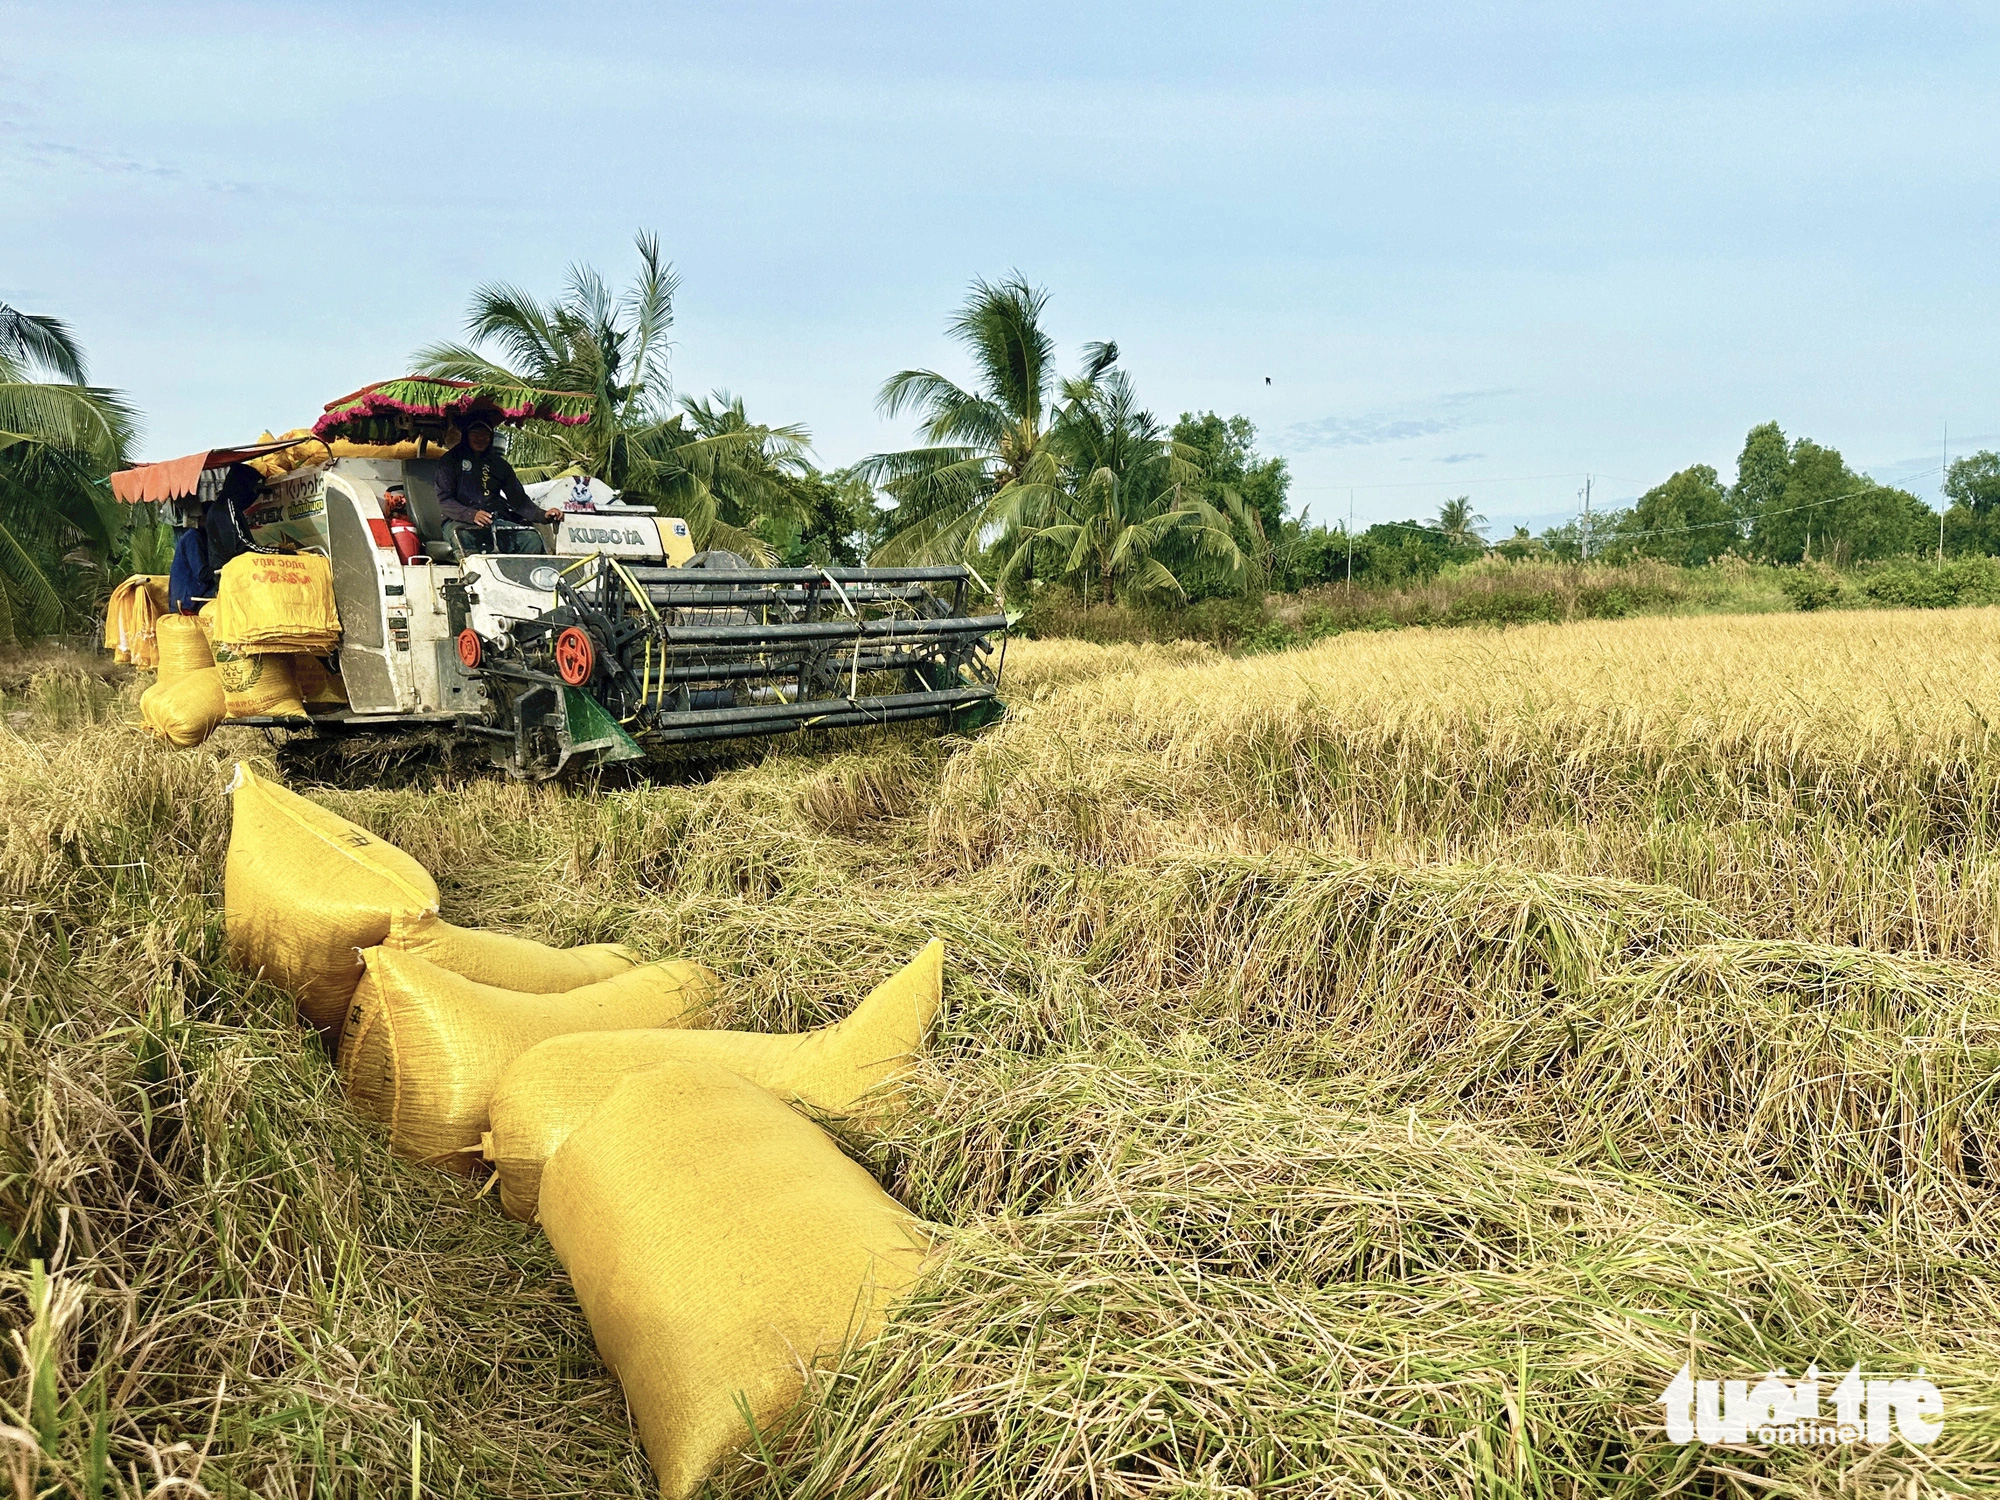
x,y
553,623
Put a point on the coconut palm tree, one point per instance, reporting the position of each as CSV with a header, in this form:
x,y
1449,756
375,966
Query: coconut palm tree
x,y
710,465
732,480
989,458
1125,488
1460,525
46,398
59,437
612,347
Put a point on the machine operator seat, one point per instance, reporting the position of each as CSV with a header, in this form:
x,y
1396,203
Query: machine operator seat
x,y
420,489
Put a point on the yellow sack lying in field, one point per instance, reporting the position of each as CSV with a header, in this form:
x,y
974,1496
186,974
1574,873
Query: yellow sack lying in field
x,y
319,685
423,1047
257,686
184,710
554,1086
304,888
183,647
716,1241
276,602
505,961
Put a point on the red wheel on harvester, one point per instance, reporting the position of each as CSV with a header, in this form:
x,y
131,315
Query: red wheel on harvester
x,y
576,657
471,650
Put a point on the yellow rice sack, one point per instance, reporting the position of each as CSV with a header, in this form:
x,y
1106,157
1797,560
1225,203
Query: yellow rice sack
x,y
183,647
716,1241
554,1086
277,602
114,620
257,686
284,460
500,959
303,889
319,685
423,1047
184,710
130,617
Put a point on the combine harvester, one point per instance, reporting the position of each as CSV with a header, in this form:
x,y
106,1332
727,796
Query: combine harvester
x,y
621,642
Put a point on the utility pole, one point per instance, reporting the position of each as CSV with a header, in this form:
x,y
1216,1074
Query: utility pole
x,y
1944,474
1350,541
1585,492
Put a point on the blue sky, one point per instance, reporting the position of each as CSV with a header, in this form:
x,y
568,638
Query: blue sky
x,y
1474,248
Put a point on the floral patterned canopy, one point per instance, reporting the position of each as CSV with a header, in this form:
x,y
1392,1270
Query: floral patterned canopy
x,y
393,409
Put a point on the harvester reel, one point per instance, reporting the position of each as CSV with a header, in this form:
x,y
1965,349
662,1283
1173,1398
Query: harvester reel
x,y
719,650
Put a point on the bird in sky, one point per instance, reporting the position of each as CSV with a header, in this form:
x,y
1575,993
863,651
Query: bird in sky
x,y
1267,380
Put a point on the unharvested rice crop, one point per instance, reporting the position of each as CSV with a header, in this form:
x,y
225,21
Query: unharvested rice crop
x,y
1372,1070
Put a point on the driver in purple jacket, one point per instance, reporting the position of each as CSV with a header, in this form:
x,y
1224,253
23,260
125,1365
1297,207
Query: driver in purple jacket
x,y
475,484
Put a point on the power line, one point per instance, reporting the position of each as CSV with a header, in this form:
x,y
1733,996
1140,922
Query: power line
x,y
1431,484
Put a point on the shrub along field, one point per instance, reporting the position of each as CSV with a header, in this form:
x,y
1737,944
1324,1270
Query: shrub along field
x,y
1372,1069
1497,591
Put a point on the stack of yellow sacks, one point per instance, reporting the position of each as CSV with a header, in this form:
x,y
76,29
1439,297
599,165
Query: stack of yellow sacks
x,y
130,618
716,1236
186,703
274,614
261,649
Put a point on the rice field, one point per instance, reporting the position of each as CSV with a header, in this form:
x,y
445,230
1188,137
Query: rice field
x,y
1371,1070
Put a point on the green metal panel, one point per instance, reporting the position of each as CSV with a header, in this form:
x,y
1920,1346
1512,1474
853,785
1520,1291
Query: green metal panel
x,y
594,733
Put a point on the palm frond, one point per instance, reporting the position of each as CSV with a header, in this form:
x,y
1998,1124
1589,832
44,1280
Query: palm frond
x,y
32,341
85,419
1000,326
648,306
32,540
64,484
520,324
1097,358
959,471
1154,577
452,361
949,413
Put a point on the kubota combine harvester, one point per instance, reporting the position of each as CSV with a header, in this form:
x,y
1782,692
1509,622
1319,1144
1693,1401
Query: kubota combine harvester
x,y
620,638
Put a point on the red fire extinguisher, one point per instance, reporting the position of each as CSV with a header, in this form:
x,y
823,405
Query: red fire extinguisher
x,y
402,530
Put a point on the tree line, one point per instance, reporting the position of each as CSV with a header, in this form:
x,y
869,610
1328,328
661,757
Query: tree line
x,y
1044,480
1793,500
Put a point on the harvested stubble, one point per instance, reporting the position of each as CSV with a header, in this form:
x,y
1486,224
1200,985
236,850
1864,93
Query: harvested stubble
x,y
1364,954
1204,1237
1838,1075
1185,1283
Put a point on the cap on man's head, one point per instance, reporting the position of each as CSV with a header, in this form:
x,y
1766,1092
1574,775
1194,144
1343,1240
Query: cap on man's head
x,y
476,421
